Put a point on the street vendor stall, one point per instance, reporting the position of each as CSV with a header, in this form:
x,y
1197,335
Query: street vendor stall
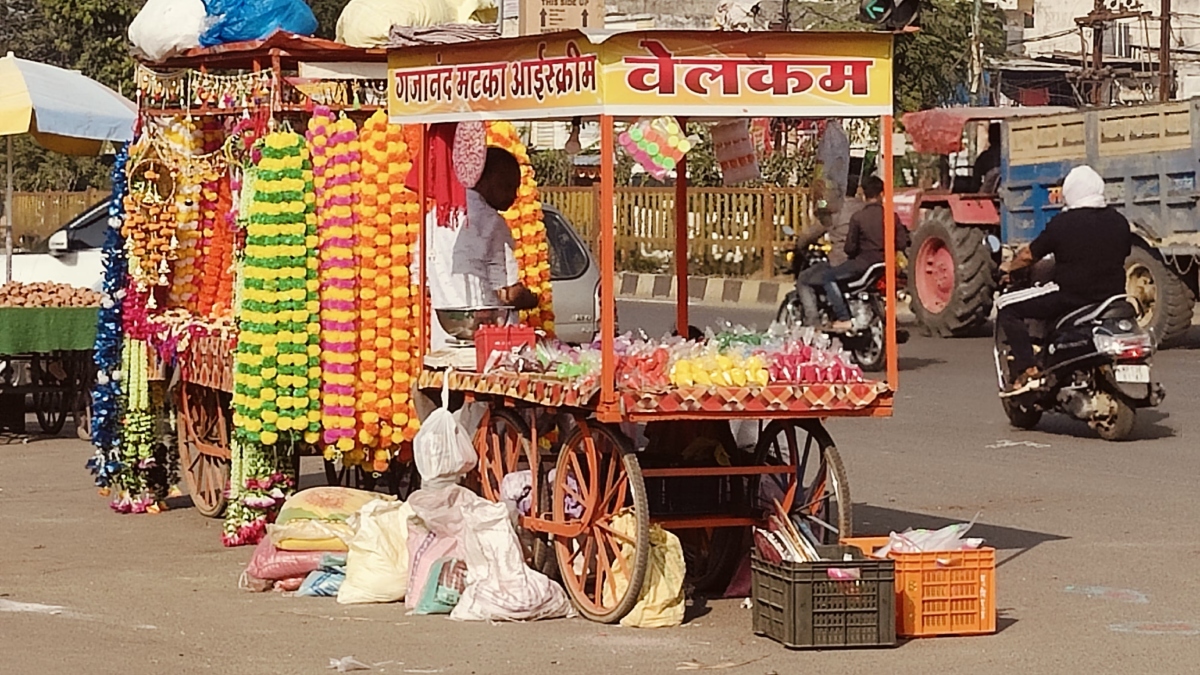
x,y
588,494
264,294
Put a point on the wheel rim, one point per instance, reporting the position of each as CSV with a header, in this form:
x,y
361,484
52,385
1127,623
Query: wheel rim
x,y
204,447
604,565
50,407
1140,285
934,270
822,496
502,443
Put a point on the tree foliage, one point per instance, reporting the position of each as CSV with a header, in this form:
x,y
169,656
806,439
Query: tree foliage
x,y
84,35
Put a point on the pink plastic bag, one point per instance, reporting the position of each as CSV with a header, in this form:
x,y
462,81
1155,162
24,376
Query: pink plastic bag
x,y
273,564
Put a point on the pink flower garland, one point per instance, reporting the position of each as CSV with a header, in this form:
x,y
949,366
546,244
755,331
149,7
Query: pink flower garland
x,y
336,168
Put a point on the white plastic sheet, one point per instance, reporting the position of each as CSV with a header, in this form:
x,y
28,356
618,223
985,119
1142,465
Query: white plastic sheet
x,y
164,28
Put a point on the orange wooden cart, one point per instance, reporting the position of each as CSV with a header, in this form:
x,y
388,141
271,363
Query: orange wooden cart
x,y
595,515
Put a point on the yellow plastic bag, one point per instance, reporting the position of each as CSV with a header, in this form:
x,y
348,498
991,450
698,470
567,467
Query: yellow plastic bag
x,y
661,603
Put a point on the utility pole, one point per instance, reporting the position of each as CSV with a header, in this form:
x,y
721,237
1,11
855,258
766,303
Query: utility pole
x,y
1166,74
976,63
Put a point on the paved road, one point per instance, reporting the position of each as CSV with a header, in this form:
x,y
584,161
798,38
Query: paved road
x,y
1098,543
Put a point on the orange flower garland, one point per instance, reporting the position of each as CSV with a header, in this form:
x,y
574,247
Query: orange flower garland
x,y
528,230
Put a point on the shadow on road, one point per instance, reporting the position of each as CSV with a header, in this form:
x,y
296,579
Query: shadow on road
x,y
1150,426
911,363
879,520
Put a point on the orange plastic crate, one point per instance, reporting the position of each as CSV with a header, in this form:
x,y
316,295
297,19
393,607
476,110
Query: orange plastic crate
x,y
942,593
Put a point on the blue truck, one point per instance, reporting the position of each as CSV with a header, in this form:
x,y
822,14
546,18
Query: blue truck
x,y
1148,156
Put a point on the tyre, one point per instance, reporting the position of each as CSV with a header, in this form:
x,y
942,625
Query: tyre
x,y
789,313
1163,301
870,349
1020,416
951,280
1120,425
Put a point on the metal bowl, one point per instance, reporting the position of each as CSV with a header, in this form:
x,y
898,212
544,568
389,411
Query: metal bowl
x,y
462,322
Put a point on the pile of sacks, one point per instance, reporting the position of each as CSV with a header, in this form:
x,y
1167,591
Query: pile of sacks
x,y
166,28
444,551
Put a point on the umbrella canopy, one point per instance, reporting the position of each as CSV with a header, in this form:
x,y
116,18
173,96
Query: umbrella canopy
x,y
64,110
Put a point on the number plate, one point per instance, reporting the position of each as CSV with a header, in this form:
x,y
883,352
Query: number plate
x,y
1134,374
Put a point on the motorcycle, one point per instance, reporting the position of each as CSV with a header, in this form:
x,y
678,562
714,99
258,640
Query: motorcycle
x,y
864,297
1095,365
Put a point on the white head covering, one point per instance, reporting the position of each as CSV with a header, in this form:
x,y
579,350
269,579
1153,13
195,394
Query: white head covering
x,y
1084,189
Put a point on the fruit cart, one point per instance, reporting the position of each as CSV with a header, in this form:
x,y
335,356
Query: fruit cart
x,y
45,353
596,513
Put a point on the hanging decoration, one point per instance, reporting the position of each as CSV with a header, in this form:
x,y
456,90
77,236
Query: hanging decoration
x,y
525,219
336,164
186,139
149,225
277,381
161,90
227,92
106,405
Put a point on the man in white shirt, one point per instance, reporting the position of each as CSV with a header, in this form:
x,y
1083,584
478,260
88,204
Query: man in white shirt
x,y
472,265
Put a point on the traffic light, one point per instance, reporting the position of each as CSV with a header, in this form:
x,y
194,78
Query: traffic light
x,y
889,14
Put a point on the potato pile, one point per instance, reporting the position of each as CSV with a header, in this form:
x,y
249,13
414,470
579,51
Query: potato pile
x,y
46,294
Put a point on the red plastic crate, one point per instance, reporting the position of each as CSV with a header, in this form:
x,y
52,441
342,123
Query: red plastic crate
x,y
490,339
941,593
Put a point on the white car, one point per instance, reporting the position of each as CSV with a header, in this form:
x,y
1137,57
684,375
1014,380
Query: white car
x,y
72,255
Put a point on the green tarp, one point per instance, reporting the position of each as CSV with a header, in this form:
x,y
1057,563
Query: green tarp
x,y
32,329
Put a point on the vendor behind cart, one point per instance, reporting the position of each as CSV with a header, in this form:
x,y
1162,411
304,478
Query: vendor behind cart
x,y
473,265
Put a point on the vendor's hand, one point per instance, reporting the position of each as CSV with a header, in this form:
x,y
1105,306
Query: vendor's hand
x,y
517,297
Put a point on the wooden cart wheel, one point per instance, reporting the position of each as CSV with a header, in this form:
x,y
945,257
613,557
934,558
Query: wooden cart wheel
x,y
203,428
53,393
503,445
822,498
597,478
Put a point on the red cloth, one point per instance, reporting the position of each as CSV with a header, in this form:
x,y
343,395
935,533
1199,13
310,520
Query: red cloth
x,y
441,184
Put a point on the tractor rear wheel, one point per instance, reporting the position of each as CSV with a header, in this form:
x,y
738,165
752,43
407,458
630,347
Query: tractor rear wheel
x,y
951,280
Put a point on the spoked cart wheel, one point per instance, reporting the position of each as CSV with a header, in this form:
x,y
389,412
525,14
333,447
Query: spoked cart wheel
x,y
821,498
204,431
503,445
598,488
54,391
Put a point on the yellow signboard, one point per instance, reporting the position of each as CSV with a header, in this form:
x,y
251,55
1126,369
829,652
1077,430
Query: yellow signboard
x,y
683,73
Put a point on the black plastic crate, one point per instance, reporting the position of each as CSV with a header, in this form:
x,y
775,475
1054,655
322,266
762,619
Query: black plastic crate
x,y
799,605
687,495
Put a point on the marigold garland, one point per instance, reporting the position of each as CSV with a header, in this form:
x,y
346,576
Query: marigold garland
x,y
187,140
336,166
525,219
277,364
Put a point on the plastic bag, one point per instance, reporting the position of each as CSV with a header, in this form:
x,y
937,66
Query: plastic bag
x,y
273,564
500,587
425,549
164,28
516,490
322,583
239,20
949,538
442,449
443,589
377,563
662,601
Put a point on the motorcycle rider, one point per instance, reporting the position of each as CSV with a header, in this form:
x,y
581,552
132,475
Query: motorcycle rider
x,y
1089,241
830,191
863,248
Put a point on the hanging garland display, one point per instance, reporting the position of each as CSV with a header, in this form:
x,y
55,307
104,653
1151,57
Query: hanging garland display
x,y
106,404
336,164
528,229
387,311
277,371
186,140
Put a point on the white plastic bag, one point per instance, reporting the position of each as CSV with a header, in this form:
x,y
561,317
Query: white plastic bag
x,y
500,587
377,562
164,28
442,449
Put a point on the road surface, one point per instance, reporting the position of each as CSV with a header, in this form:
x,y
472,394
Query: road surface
x,y
1099,546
